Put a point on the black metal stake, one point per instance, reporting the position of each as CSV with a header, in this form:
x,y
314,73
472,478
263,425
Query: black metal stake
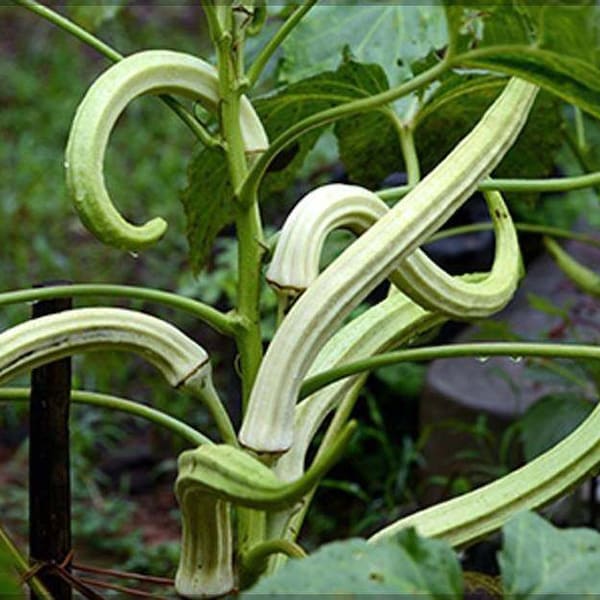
x,y
49,482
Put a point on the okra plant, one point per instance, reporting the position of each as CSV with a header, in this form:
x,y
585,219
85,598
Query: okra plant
x,y
244,497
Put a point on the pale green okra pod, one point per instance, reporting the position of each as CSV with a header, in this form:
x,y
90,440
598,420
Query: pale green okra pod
x,y
268,424
148,72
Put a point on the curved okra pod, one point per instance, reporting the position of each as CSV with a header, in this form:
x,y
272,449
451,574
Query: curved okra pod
x,y
148,72
183,362
38,341
473,515
268,424
392,322
207,482
205,567
295,263
233,475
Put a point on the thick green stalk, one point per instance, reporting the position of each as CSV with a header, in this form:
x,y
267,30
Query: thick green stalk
x,y
223,323
229,45
228,41
189,434
250,250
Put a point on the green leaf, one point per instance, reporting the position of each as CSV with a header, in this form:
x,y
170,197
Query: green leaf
x,y
208,203
550,420
390,34
552,44
370,148
405,565
541,561
92,16
299,100
458,104
369,143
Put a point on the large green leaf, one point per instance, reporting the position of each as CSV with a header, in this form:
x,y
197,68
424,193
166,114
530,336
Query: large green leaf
x,y
299,100
541,561
553,44
390,34
369,143
370,149
407,565
208,202
549,420
459,103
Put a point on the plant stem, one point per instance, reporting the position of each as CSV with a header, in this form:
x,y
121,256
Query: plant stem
x,y
331,115
195,438
250,236
206,391
103,48
409,151
514,349
260,62
226,324
580,130
523,227
229,46
562,184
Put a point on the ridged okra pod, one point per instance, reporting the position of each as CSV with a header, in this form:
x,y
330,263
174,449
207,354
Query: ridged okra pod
x,y
268,423
148,72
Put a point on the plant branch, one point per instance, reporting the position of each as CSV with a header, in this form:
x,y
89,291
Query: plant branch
x,y
70,27
558,184
523,227
193,437
260,62
513,349
223,323
409,151
254,561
